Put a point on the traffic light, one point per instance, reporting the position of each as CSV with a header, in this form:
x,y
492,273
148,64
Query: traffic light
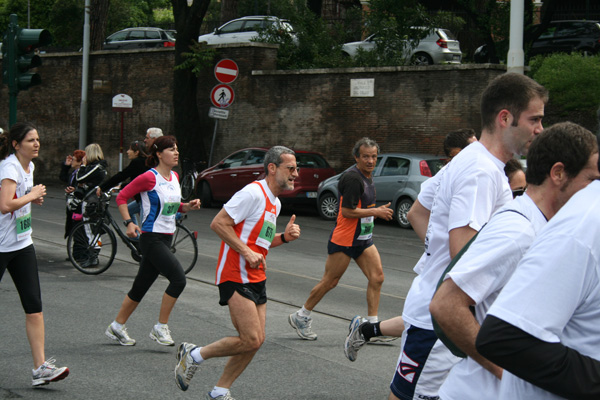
x,y
18,58
27,40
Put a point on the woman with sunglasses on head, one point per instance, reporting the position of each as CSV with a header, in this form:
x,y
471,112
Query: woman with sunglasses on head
x,y
18,148
137,166
161,200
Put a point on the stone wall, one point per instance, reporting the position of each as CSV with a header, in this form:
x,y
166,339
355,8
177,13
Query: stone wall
x,y
411,110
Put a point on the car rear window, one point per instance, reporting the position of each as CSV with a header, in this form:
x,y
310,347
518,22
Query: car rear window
x,y
446,34
311,161
435,165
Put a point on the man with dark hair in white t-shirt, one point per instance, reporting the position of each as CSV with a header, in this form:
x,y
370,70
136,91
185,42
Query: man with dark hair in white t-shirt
x,y
561,161
472,188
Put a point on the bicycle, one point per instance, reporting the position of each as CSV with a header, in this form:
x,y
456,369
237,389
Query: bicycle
x,y
190,172
92,244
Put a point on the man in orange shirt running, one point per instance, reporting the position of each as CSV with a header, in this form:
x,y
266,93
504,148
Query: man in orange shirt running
x,y
352,238
246,225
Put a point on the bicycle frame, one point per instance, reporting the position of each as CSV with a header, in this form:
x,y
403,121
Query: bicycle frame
x,y
115,226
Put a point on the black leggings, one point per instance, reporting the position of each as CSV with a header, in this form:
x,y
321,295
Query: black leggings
x,y
157,259
23,269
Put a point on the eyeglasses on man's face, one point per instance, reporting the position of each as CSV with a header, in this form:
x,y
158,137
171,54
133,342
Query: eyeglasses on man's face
x,y
292,168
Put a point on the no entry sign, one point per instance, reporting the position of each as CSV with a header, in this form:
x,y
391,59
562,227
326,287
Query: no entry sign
x,y
222,96
226,71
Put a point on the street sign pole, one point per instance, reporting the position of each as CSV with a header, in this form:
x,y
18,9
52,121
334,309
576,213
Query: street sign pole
x,y
226,71
122,103
212,144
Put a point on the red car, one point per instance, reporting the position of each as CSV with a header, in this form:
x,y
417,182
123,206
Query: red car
x,y
221,181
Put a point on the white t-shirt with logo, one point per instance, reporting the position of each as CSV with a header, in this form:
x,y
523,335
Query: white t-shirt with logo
x,y
473,186
481,273
15,227
554,294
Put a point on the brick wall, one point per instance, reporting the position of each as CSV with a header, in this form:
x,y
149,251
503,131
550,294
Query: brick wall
x,y
411,111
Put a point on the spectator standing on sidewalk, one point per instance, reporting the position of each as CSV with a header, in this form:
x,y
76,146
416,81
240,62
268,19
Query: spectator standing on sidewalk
x,y
68,172
151,135
17,253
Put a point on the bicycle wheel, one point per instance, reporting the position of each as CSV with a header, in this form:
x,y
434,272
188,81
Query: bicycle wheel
x,y
91,247
185,247
187,186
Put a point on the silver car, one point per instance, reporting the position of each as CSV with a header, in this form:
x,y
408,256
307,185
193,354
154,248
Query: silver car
x,y
397,178
438,47
244,30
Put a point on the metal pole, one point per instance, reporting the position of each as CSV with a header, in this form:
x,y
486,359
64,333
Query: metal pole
x,y
212,145
83,108
13,88
121,145
516,55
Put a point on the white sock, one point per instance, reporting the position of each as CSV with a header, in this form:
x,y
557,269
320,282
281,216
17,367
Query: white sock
x,y
372,318
196,356
159,325
304,312
218,391
117,326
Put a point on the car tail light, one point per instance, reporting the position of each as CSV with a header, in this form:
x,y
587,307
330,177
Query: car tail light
x,y
168,44
442,43
424,167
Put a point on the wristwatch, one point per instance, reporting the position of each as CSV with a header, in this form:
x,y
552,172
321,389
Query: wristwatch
x,y
127,221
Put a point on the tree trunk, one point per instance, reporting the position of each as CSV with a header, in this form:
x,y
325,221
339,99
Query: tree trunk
x,y
187,127
228,10
98,18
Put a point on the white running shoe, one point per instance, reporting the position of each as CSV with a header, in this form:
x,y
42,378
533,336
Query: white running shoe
x,y
186,366
119,335
48,372
226,396
302,326
355,340
162,335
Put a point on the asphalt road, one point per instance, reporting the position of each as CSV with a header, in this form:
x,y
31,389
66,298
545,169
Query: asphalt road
x,y
78,308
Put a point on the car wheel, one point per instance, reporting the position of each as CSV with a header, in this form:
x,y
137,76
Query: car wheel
x,y
402,209
422,59
205,195
328,206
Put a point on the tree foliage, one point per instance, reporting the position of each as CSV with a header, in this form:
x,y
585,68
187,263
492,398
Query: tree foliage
x,y
572,80
64,18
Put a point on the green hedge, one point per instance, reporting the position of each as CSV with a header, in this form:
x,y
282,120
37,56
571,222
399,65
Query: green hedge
x,y
572,80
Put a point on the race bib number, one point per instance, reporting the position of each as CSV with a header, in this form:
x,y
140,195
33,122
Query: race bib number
x,y
267,233
366,228
170,209
24,226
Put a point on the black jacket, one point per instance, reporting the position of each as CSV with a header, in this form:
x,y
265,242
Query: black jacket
x,y
91,175
136,167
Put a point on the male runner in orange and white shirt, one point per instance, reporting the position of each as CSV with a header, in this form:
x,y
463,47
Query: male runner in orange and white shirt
x,y
247,226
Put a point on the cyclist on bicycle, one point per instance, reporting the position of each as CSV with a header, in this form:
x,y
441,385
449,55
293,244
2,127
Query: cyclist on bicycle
x,y
161,200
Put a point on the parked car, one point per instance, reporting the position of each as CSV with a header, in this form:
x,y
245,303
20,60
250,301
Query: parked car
x,y
438,47
245,29
568,37
138,38
397,178
223,180
560,37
